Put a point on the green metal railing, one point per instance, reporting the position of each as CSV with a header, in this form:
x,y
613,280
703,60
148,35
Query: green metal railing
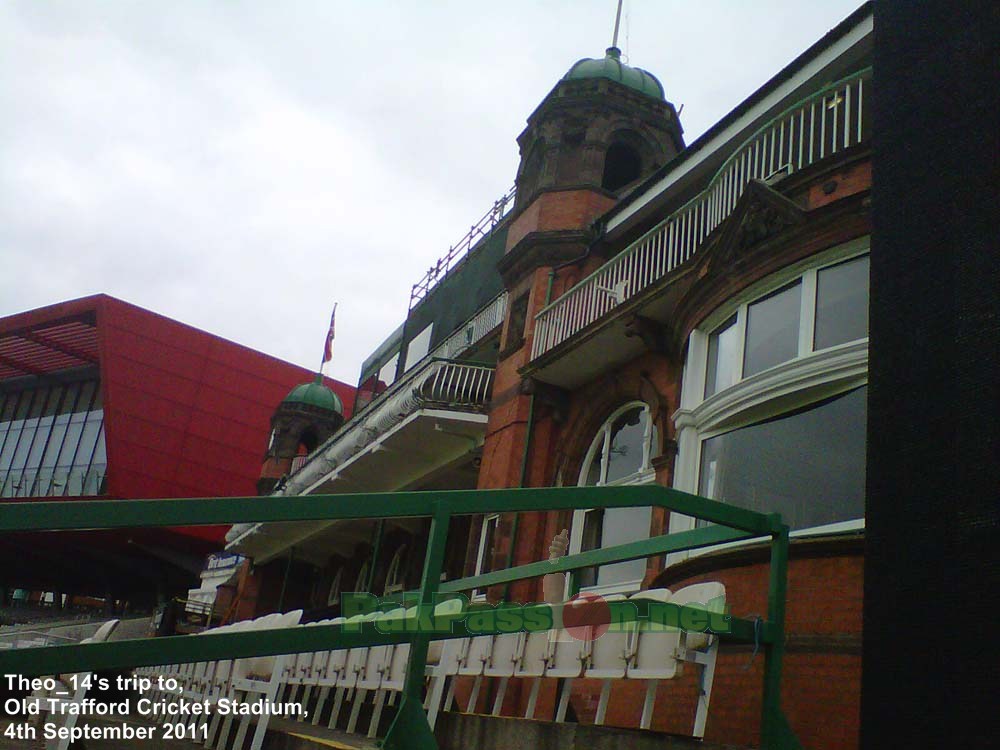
x,y
410,728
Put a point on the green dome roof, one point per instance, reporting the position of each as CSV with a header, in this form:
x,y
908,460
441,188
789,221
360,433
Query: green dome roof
x,y
315,394
612,68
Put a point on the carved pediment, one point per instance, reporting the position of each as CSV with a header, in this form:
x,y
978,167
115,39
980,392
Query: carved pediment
x,y
761,213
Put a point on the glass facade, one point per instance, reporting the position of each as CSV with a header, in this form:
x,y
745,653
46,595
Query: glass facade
x,y
52,441
808,465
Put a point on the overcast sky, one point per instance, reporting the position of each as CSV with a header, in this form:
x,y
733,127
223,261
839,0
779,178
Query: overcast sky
x,y
240,165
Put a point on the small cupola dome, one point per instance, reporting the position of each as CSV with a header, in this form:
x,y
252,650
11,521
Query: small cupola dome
x,y
315,394
612,68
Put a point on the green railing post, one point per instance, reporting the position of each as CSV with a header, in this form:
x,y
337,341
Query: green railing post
x,y
775,734
410,729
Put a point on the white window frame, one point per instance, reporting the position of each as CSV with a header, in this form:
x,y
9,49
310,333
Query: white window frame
x,y
645,475
480,594
333,594
810,377
394,578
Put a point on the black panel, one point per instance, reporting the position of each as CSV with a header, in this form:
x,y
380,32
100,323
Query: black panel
x,y
932,587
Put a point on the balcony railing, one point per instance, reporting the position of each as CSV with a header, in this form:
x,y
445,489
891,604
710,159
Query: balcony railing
x,y
436,382
478,327
829,121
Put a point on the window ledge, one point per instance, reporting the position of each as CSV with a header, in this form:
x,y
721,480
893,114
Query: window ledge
x,y
798,379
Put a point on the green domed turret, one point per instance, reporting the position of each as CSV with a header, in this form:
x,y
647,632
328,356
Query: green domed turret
x,y
612,68
315,394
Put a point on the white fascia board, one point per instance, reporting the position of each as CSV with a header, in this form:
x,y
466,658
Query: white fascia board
x,y
453,416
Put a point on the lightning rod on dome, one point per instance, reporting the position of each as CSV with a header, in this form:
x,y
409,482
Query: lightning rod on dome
x,y
618,20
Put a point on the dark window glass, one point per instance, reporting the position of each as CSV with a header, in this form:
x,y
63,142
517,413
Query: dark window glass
x,y
86,397
489,545
841,303
23,404
625,453
809,465
54,402
773,330
723,366
9,404
38,403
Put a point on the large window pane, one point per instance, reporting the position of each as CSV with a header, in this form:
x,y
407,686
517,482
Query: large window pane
x,y
621,451
49,437
809,465
773,330
9,405
723,366
623,525
841,303
88,440
7,451
625,454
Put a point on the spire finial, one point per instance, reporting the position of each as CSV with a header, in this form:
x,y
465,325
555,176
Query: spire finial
x,y
618,20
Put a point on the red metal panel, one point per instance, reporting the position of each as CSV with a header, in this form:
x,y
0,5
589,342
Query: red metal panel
x,y
187,413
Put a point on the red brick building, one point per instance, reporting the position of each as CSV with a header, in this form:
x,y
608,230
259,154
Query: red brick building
x,y
647,311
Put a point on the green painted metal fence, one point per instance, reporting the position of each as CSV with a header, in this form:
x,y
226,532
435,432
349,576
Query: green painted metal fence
x,y
410,729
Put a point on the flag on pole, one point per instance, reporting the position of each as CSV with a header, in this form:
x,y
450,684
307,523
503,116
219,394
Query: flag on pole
x,y
328,349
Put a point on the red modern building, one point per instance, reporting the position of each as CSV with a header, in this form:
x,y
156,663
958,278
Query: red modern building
x,y
101,398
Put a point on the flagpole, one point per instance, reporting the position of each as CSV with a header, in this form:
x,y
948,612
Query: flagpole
x,y
328,344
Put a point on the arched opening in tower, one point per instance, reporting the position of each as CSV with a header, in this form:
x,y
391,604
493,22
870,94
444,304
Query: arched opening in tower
x,y
622,165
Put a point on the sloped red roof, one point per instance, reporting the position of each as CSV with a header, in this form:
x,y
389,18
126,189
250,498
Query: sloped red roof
x,y
49,339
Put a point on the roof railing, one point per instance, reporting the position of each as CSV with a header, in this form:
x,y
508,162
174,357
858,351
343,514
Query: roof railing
x,y
486,224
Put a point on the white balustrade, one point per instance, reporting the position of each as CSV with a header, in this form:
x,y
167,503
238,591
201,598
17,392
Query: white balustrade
x,y
826,123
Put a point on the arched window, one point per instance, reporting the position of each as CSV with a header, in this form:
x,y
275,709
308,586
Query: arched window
x,y
333,595
308,441
622,165
394,578
361,583
620,454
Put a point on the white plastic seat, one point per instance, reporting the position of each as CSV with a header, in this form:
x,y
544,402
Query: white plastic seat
x,y
572,654
503,659
259,676
443,660
64,695
660,650
327,668
300,669
350,675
